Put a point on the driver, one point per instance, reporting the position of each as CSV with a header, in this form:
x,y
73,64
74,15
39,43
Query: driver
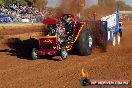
x,y
61,34
69,25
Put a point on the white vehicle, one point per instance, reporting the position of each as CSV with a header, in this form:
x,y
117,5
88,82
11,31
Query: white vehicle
x,y
114,28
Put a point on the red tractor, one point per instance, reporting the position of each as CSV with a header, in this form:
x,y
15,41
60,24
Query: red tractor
x,y
62,35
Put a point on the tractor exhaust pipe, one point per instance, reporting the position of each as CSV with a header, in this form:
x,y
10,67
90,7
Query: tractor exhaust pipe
x,y
81,4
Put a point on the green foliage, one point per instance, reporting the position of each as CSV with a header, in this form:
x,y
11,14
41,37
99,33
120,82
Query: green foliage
x,y
23,2
6,2
1,2
40,3
36,3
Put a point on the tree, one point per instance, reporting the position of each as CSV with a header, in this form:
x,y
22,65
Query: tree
x,y
36,3
1,2
40,3
29,2
8,2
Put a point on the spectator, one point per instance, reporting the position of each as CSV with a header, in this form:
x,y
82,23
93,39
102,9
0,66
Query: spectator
x,y
17,12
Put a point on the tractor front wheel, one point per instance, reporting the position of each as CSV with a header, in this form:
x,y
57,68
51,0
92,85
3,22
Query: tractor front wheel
x,y
34,54
64,53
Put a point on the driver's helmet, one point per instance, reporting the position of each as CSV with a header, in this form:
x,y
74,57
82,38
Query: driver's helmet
x,y
121,23
69,19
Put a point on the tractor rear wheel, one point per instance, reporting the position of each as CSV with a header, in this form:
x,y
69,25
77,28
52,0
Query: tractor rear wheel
x,y
85,42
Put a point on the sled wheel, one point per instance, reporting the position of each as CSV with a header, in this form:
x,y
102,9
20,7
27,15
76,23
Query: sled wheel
x,y
118,38
85,82
120,33
34,54
114,39
104,45
102,38
64,53
85,42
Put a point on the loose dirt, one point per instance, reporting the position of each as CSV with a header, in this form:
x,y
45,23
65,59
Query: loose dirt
x,y
17,71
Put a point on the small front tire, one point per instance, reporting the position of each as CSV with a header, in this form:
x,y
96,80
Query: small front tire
x,y
64,53
34,54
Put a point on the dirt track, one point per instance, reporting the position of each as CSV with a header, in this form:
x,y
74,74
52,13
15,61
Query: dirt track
x,y
18,72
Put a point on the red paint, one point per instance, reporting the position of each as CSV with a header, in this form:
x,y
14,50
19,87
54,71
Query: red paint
x,y
50,21
47,52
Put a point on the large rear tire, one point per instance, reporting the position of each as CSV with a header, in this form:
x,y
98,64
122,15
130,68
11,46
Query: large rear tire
x,y
85,42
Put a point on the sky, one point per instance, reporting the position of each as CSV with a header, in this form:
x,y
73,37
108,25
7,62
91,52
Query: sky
x,y
129,2
55,3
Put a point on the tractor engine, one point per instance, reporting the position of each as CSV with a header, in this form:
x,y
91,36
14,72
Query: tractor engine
x,y
69,23
64,29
